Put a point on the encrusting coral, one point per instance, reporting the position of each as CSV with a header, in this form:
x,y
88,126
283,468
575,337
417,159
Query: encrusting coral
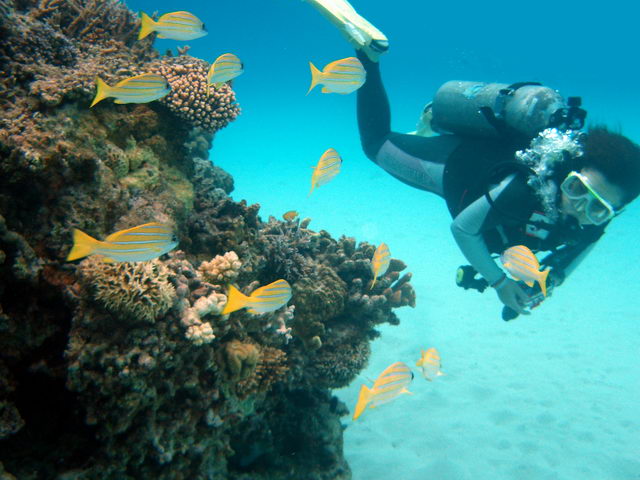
x,y
120,371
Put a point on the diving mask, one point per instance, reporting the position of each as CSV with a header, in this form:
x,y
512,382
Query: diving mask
x,y
577,187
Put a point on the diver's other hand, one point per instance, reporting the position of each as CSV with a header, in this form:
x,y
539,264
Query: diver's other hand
x,y
513,296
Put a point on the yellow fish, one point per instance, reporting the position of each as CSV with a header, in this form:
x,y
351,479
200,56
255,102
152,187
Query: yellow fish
x,y
328,167
265,299
175,26
392,382
226,67
290,215
340,76
380,262
429,364
139,89
137,244
523,265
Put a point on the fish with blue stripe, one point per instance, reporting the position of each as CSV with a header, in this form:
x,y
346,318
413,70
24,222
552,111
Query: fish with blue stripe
x,y
390,384
523,265
380,262
174,26
340,76
137,244
328,167
263,300
226,67
139,89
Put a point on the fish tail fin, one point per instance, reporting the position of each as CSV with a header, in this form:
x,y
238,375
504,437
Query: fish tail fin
x,y
83,245
103,91
235,300
542,281
420,362
363,401
316,76
404,390
147,25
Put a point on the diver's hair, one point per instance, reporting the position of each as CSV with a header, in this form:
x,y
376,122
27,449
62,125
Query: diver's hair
x,y
615,156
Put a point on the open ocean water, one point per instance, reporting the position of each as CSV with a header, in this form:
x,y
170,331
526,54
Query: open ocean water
x,y
551,396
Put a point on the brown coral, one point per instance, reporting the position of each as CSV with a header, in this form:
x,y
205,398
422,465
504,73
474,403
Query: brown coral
x,y
139,291
271,368
188,98
240,359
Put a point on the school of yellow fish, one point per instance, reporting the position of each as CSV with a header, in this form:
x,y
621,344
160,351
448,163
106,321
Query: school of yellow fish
x,y
151,240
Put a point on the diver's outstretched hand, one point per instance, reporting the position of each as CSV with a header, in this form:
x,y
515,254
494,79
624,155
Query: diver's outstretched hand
x,y
356,29
513,296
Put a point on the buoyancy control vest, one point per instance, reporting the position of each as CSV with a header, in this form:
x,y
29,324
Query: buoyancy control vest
x,y
490,110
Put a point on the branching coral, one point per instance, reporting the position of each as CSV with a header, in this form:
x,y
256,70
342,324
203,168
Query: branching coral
x,y
189,99
137,291
222,269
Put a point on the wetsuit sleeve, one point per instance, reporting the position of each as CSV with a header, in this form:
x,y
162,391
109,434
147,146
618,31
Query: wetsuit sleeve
x,y
467,230
415,160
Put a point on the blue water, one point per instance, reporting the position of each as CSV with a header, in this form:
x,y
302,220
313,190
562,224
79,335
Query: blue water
x,y
552,396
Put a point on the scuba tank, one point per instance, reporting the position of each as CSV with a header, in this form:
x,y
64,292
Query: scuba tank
x,y
496,109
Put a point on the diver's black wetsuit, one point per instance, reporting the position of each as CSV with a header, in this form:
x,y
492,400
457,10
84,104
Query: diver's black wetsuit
x,y
456,168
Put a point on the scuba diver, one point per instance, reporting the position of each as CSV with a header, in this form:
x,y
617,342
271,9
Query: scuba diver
x,y
512,163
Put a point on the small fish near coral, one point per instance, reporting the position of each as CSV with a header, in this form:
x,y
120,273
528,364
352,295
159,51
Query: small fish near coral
x,y
380,262
174,26
290,216
523,265
328,167
265,299
340,76
137,244
391,383
226,67
143,88
429,364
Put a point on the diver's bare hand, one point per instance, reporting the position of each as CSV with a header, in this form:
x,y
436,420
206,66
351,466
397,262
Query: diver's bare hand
x,y
510,293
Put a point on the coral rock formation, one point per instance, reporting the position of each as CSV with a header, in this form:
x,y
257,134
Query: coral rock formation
x,y
115,371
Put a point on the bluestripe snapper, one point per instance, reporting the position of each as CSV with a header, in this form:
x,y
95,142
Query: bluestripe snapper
x,y
139,89
391,383
226,67
137,244
340,76
174,26
523,265
380,262
328,167
265,299
429,364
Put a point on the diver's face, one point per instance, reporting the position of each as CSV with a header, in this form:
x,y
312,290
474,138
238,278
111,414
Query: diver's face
x,y
611,193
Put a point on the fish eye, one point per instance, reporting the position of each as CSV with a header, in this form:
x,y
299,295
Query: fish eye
x,y
174,238
204,27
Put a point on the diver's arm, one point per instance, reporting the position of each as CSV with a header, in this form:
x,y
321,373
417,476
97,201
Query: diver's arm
x,y
467,230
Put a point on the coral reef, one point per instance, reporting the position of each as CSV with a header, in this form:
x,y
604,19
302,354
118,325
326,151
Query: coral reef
x,y
135,291
189,99
125,371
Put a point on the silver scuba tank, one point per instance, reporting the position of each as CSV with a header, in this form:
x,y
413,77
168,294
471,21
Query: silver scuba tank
x,y
495,109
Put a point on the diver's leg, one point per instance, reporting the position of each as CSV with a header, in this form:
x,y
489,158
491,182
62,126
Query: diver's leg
x,y
356,29
415,160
